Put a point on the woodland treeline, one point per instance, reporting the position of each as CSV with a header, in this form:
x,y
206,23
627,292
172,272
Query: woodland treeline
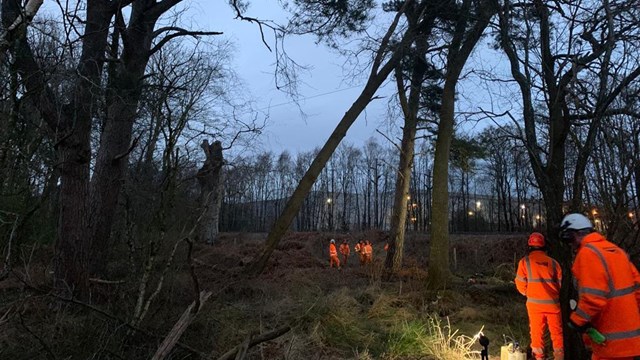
x,y
491,190
118,125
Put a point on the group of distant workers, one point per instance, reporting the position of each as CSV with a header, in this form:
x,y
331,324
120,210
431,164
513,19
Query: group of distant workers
x,y
363,248
607,309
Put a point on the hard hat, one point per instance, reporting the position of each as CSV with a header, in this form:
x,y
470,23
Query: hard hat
x,y
536,240
573,223
333,241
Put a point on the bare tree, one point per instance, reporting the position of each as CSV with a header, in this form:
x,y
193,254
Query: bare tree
x,y
567,82
87,206
474,17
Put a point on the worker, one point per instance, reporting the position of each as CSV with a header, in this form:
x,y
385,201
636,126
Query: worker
x,y
333,254
608,291
539,278
345,251
359,248
386,246
368,252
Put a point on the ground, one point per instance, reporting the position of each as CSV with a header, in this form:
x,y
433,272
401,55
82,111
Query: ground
x,y
352,313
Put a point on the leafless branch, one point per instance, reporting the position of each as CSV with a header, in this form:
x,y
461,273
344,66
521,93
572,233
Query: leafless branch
x,y
19,25
129,150
45,347
7,260
389,139
178,32
261,23
253,341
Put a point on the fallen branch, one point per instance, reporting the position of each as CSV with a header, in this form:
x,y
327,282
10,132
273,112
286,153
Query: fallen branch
x,y
110,316
181,326
108,282
7,261
253,341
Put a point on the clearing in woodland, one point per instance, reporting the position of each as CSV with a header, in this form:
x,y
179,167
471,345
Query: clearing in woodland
x,y
318,312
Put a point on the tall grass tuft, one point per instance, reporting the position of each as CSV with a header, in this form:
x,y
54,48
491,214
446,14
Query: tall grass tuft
x,y
446,344
430,340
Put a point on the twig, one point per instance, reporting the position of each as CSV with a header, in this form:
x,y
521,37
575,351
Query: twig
x,y
44,345
109,282
253,341
7,261
5,317
114,317
244,347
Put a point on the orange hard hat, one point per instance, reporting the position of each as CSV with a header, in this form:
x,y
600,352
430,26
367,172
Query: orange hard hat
x,y
536,240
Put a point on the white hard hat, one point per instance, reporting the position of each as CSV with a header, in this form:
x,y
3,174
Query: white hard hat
x,y
575,222
333,241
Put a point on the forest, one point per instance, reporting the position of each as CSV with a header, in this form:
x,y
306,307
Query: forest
x,y
141,218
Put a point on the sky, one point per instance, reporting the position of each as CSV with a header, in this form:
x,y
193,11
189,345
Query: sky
x,y
326,90
325,95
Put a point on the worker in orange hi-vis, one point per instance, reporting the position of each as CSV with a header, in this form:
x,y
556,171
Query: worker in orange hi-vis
x,y
539,278
345,251
607,310
333,254
368,252
386,246
359,248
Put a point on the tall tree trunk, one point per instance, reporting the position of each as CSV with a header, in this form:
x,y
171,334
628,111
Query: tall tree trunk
x,y
439,270
463,42
123,95
72,126
410,108
211,190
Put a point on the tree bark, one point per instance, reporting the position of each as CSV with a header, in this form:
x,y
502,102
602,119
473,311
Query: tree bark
x,y
123,95
211,182
180,327
72,126
463,42
17,22
410,108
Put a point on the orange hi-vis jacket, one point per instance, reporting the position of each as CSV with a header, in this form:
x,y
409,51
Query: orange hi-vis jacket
x,y
332,250
344,249
357,248
539,278
609,296
368,250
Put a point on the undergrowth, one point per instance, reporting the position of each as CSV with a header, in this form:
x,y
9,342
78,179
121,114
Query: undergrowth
x,y
350,314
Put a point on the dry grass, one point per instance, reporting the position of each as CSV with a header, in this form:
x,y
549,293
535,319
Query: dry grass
x,y
350,314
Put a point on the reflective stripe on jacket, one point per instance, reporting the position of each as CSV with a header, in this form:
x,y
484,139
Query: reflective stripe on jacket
x,y
538,278
332,250
608,289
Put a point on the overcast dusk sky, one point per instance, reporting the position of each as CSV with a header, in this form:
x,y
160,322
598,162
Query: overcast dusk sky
x,y
326,89
326,92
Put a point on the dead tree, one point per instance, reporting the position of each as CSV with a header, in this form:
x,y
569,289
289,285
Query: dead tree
x,y
210,178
